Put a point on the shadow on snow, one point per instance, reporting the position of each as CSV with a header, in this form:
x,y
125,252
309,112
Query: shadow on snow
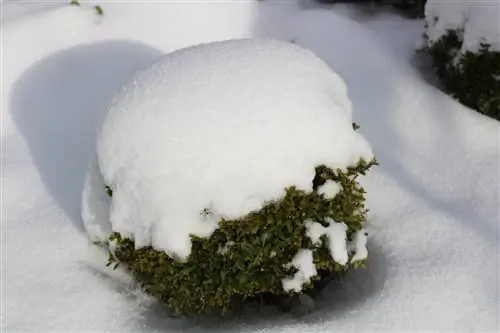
x,y
57,105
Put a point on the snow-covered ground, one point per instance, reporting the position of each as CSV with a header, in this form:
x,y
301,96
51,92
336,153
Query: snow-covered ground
x,y
434,200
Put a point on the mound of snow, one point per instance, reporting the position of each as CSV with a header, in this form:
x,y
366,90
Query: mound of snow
x,y
226,127
479,21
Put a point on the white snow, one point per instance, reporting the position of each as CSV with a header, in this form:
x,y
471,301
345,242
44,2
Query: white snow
x,y
479,21
304,263
96,204
359,246
219,125
433,220
330,189
336,235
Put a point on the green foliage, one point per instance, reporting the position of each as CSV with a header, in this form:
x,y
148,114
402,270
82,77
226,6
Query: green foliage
x,y
246,258
413,9
109,191
473,79
98,10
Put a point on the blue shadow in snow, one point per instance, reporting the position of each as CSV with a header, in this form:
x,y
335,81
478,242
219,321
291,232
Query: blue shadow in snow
x,y
57,104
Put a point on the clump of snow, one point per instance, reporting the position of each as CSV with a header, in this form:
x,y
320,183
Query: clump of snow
x,y
337,238
479,21
330,189
304,262
359,246
186,133
225,249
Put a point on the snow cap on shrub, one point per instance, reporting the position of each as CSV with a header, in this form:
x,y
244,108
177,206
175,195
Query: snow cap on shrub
x,y
215,131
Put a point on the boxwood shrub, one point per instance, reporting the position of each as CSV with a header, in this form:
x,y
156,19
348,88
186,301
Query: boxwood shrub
x,y
473,78
247,258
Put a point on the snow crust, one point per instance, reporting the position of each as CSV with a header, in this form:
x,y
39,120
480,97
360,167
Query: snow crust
x,y
337,238
479,21
226,127
304,262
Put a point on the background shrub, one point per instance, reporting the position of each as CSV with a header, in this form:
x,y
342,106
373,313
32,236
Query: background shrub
x,y
473,78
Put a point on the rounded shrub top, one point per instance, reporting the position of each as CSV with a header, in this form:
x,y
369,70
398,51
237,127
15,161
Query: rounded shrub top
x,y
216,131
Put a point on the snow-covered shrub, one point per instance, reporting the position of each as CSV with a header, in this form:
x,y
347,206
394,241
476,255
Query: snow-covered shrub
x,y
227,171
463,39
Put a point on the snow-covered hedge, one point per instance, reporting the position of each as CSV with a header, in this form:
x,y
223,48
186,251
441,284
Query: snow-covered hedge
x,y
463,38
228,170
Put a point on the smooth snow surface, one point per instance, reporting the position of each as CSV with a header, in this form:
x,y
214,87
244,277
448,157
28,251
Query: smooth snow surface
x,y
304,263
225,126
336,235
434,200
479,21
